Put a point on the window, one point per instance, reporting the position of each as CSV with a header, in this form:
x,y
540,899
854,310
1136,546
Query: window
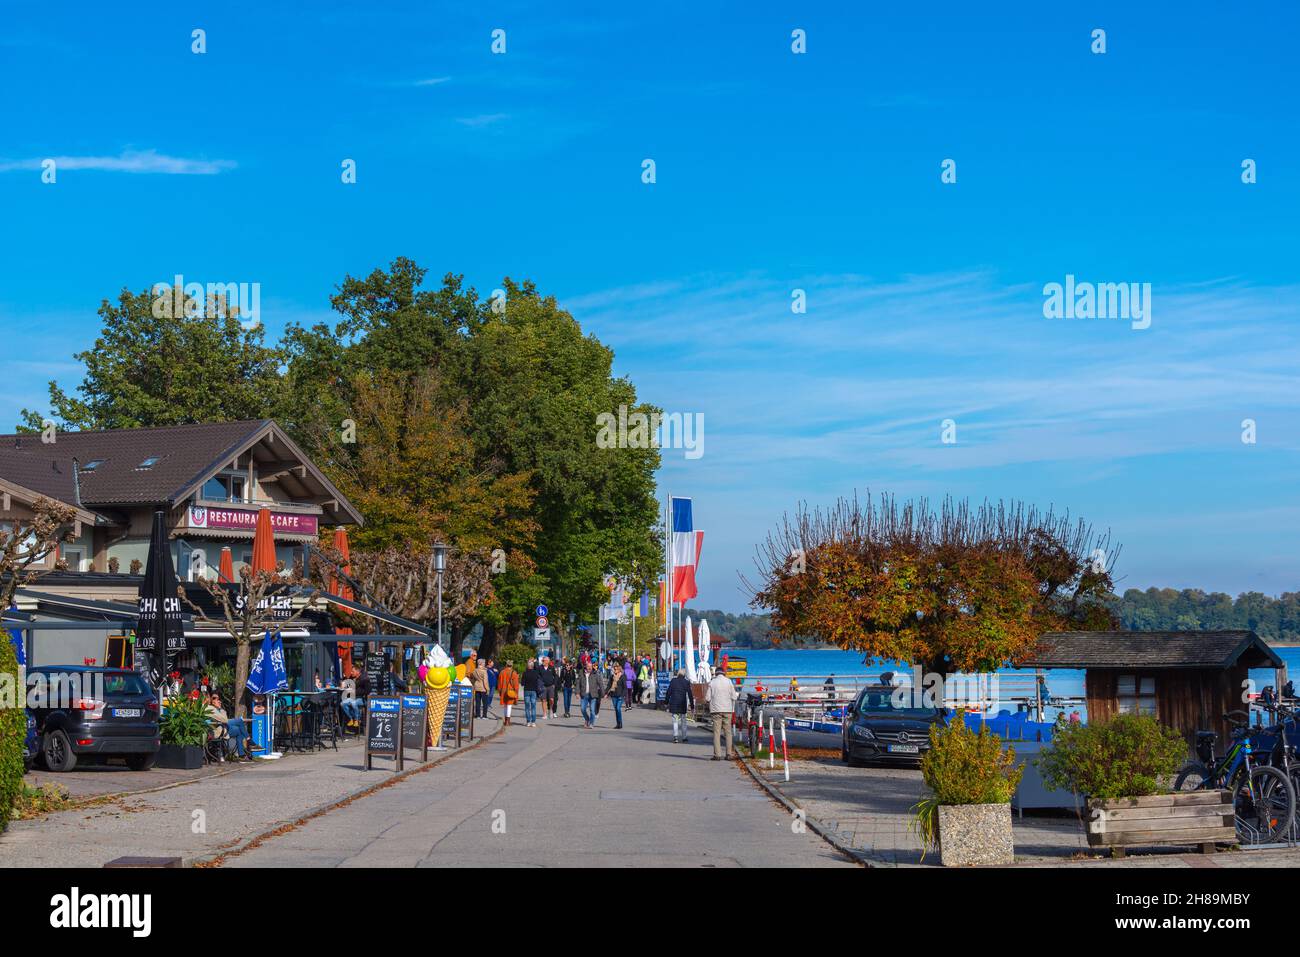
x,y
1135,694
148,463
75,557
226,487
92,465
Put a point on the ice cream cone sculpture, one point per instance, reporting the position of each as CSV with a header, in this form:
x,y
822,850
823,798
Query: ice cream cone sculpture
x,y
438,679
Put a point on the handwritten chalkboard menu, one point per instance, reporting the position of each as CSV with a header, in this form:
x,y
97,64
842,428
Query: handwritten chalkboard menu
x,y
458,721
383,729
415,724
377,673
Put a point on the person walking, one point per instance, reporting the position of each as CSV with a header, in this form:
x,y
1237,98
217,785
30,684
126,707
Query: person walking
x,y
617,692
493,673
629,680
590,690
722,703
482,691
568,677
532,690
551,689
508,685
678,699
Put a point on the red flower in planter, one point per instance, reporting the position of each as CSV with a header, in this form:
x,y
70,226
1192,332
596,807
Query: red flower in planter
x,y
194,695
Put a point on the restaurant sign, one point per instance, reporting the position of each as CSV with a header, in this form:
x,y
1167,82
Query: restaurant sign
x,y
244,520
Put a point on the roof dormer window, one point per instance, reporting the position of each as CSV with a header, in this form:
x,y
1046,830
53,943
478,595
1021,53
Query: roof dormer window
x,y
148,463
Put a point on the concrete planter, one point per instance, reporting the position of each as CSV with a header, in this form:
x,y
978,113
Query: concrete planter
x,y
971,834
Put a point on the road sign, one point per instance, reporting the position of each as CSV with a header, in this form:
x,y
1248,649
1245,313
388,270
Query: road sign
x,y
543,621
542,634
543,611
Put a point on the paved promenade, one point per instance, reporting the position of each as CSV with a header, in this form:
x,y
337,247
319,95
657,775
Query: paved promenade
x,y
555,795
559,795
224,808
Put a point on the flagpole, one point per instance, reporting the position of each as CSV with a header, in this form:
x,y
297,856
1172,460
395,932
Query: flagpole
x,y
668,581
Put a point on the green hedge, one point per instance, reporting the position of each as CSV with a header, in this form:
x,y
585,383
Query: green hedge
x,y
517,654
13,729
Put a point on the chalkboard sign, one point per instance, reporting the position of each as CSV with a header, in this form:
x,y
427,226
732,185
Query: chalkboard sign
x,y
459,719
383,729
661,685
377,673
415,724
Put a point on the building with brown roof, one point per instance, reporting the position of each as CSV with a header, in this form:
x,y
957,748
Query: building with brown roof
x,y
1187,679
211,478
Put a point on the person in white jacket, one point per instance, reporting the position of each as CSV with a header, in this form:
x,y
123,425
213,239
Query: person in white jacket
x,y
722,703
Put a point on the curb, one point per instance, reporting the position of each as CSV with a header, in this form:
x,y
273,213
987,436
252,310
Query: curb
x,y
824,831
218,858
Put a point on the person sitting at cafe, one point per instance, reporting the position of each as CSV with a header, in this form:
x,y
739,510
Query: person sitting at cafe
x,y
232,731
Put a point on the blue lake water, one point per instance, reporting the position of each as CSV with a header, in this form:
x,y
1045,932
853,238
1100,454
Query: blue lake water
x,y
808,663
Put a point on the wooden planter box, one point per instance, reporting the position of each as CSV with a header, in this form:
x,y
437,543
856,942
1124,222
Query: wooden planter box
x,y
184,757
1195,817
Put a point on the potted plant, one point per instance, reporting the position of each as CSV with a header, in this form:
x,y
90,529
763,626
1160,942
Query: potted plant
x,y
183,731
1123,767
971,777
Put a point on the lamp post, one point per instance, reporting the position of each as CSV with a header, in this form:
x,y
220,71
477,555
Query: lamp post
x,y
439,566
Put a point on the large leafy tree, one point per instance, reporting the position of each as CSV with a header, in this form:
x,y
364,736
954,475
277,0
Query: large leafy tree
x,y
185,362
961,589
528,385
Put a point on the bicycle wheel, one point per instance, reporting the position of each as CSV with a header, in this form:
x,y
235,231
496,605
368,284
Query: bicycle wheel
x,y
1192,776
1264,805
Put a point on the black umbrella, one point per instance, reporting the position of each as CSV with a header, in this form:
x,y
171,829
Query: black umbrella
x,y
160,630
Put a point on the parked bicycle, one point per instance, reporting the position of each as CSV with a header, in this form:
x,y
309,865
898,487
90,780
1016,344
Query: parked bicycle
x,y
1263,798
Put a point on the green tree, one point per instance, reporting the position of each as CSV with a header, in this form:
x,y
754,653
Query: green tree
x,y
149,369
531,385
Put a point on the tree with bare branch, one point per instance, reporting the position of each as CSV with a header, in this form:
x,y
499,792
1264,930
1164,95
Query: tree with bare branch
x,y
959,589
258,602
24,546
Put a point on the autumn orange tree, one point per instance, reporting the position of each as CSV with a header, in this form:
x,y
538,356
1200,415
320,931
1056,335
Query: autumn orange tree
x,y
407,461
958,589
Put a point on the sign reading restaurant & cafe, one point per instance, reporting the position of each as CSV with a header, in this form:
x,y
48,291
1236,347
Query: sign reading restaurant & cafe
x,y
245,520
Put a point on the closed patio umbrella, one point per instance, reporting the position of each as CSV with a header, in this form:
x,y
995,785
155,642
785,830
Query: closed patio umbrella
x,y
159,630
226,569
263,543
341,588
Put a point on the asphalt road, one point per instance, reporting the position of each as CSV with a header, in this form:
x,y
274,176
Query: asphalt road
x,y
559,795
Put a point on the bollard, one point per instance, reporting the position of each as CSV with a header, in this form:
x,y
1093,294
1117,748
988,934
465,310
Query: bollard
x,y
785,754
771,742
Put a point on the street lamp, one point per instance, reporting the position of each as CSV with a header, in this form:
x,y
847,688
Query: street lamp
x,y
439,566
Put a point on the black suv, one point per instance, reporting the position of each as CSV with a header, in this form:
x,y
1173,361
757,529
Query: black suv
x,y
876,728
94,713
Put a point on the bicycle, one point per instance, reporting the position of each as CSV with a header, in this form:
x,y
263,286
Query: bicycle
x,y
1263,798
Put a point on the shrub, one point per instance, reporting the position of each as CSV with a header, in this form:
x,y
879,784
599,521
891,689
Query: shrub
x,y
13,731
1126,756
517,655
963,767
184,722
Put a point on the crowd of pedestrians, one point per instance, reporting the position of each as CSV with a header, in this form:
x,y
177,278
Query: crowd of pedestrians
x,y
548,686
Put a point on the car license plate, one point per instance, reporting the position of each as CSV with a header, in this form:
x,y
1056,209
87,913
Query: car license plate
x,y
904,749
126,712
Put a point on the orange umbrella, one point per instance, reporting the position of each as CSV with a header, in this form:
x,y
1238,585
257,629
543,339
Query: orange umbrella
x,y
344,590
263,543
226,570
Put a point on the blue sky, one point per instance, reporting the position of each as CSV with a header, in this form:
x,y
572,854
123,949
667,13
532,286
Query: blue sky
x,y
775,171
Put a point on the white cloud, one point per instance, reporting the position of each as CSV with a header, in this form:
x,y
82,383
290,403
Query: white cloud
x,y
128,161
483,119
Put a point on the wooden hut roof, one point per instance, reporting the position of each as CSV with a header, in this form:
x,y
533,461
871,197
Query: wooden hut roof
x,y
1152,649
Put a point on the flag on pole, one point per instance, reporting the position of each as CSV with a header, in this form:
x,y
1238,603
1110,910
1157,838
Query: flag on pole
x,y
642,607
663,603
684,550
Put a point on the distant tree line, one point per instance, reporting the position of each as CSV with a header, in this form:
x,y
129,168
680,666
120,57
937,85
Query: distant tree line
x,y
1165,609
